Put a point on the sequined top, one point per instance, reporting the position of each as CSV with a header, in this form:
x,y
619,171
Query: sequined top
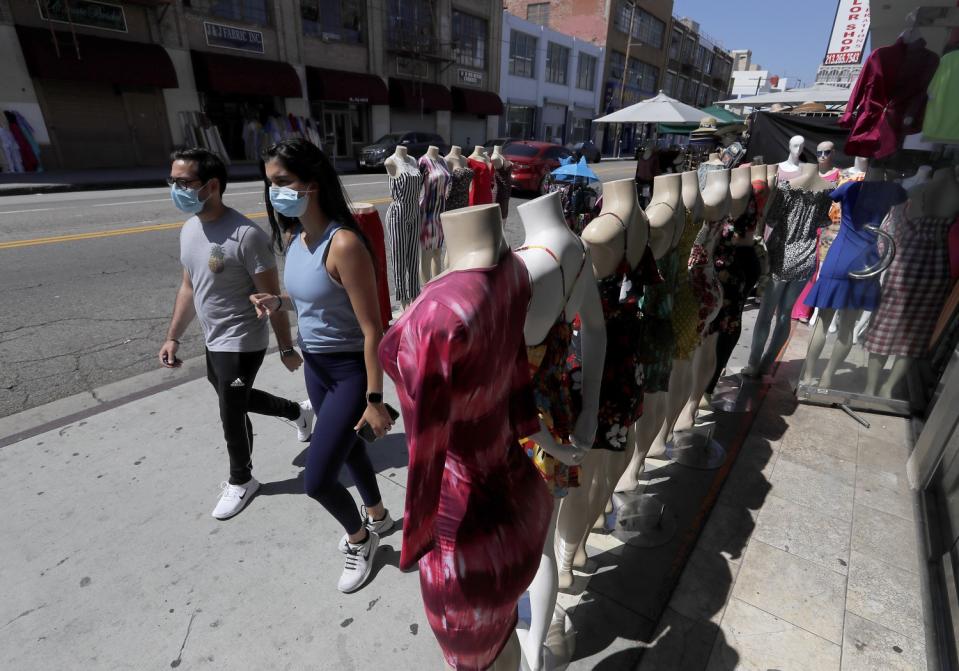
x,y
458,190
686,325
795,216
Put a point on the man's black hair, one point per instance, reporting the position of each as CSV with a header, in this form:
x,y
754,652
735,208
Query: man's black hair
x,y
208,164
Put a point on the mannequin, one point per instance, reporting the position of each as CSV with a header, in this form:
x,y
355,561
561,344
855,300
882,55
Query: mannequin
x,y
403,224
617,239
824,155
923,174
680,379
666,222
552,282
503,178
917,283
771,170
461,177
716,209
866,203
436,179
790,168
860,165
434,373
455,158
481,190
789,270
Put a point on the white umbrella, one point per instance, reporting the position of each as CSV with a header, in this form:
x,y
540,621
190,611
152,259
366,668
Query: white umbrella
x,y
658,109
811,94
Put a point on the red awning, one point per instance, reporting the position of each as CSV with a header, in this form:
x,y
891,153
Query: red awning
x,y
101,59
342,86
473,101
220,73
416,96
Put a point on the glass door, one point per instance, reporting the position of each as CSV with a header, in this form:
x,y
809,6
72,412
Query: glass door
x,y
337,133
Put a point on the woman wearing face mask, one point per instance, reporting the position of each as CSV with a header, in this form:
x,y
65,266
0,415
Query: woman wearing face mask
x,y
330,282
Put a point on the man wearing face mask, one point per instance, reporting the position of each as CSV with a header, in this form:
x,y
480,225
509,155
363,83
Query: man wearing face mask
x,y
225,258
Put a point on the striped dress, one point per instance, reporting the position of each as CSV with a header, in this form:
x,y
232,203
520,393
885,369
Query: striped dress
x,y
402,228
436,179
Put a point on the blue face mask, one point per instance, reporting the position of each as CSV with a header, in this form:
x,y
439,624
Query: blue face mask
x,y
288,202
187,200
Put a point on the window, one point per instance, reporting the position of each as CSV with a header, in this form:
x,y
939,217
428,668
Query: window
x,y
519,123
617,63
647,29
246,11
669,83
674,41
538,12
469,40
586,72
686,55
522,56
708,62
410,26
557,63
703,94
700,57
333,19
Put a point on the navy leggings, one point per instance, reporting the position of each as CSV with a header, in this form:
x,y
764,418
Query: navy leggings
x,y
336,384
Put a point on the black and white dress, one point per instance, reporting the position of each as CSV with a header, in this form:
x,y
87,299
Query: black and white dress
x,y
403,231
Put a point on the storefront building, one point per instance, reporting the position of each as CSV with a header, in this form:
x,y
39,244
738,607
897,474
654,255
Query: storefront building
x,y
550,83
119,84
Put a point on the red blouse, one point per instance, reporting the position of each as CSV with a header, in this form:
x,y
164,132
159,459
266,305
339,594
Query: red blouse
x,y
481,189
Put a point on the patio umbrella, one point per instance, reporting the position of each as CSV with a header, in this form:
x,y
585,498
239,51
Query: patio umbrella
x,y
576,170
658,109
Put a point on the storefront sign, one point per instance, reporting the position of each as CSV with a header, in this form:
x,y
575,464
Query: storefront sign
x,y
471,77
849,31
228,37
84,13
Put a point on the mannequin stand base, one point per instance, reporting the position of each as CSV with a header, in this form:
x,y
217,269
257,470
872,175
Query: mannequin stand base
x,y
642,520
694,449
560,644
735,394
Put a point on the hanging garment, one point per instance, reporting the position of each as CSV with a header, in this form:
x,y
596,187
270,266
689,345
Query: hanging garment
x,y
481,188
476,509
855,248
30,134
795,215
503,178
436,180
372,227
914,288
737,268
888,99
558,400
687,327
702,274
11,151
29,159
402,231
459,188
658,339
622,390
942,122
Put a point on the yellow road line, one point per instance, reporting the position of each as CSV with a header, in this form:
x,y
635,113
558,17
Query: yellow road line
x,y
91,235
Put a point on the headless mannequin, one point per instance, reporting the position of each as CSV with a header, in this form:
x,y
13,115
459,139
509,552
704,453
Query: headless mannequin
x,y
923,174
859,165
498,156
479,154
398,160
845,331
939,197
455,158
601,468
431,260
545,227
758,171
780,295
791,166
474,239
680,379
771,171
666,223
716,206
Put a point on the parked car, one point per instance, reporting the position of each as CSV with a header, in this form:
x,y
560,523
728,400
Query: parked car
x,y
501,141
587,149
416,142
532,162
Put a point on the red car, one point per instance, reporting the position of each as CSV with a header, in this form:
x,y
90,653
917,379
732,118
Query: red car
x,y
532,161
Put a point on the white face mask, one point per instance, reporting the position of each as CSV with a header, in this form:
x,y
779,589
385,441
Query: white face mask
x,y
289,202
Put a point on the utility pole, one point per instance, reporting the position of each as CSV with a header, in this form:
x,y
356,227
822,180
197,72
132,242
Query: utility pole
x,y
622,84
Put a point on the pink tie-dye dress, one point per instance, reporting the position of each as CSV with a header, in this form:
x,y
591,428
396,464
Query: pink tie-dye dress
x,y
476,508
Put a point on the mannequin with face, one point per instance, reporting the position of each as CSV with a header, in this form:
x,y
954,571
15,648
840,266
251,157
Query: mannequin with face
x,y
790,168
563,285
824,157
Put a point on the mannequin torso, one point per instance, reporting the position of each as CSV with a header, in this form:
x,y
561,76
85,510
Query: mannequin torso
x,y
498,155
692,198
621,225
474,238
740,188
455,158
716,195
400,160
664,214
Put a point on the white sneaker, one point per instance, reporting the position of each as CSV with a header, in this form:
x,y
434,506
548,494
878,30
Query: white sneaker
x,y
359,561
377,526
234,498
304,423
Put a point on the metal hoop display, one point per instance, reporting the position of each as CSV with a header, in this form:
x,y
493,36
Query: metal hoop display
x,y
884,262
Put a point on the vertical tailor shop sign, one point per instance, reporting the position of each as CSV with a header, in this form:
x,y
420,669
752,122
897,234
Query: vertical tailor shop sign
x,y
848,39
228,37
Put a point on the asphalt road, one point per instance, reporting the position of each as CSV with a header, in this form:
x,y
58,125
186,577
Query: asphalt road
x,y
88,281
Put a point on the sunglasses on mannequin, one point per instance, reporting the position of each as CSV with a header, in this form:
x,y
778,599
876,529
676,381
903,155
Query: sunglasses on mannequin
x,y
824,152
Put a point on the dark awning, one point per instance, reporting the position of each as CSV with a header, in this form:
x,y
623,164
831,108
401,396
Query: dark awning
x,y
416,96
472,101
102,59
221,73
342,86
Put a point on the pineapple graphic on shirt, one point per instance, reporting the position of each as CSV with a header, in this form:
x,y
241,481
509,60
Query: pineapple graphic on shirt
x,y
216,263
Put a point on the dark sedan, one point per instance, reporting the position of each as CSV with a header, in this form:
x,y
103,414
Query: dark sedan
x,y
532,162
416,143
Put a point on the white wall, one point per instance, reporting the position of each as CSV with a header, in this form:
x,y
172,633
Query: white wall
x,y
184,98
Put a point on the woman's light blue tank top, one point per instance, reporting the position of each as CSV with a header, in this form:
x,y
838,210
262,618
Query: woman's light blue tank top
x,y
326,321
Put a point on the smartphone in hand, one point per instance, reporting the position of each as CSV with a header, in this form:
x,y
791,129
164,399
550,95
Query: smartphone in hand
x,y
366,431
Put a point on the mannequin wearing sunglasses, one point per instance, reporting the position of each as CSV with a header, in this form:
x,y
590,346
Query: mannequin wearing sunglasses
x,y
824,156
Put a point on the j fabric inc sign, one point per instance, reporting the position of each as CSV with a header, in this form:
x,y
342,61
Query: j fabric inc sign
x,y
849,31
228,37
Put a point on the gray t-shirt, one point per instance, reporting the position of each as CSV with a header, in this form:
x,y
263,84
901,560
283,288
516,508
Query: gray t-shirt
x,y
221,258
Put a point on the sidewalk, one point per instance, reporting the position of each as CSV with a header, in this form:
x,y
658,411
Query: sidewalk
x,y
807,560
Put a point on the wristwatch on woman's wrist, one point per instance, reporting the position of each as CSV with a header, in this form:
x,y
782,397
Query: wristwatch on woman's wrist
x,y
374,397
289,351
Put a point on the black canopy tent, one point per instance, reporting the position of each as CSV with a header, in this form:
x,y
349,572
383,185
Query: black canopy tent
x,y
769,135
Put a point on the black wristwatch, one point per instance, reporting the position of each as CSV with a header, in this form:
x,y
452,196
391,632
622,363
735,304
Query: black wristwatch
x,y
287,352
374,397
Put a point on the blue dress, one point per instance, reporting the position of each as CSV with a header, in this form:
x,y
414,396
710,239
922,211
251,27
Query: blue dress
x,y
855,248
